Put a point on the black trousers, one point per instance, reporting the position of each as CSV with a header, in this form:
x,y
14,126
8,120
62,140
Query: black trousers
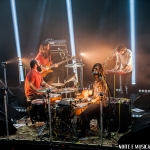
x,y
126,81
93,111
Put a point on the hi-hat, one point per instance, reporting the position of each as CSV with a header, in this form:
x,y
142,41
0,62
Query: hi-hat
x,y
58,84
74,65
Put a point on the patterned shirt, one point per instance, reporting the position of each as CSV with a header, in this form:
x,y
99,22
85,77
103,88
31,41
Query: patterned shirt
x,y
100,90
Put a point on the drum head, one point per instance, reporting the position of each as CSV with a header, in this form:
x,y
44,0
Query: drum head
x,y
54,95
37,102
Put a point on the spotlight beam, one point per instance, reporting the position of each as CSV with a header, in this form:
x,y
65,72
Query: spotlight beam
x,y
14,16
132,30
71,32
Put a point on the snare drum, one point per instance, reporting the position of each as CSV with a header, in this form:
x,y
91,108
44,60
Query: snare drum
x,y
54,97
38,110
80,108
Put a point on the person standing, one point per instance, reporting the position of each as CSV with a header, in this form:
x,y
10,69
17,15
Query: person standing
x,y
124,65
45,60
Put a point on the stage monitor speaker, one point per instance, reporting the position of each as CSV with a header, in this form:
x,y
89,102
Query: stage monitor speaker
x,y
120,117
3,129
140,136
12,113
140,122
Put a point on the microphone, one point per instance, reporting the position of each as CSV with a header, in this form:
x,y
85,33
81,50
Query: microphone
x,y
4,63
100,94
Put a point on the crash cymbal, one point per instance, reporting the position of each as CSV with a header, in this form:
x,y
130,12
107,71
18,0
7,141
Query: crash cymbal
x,y
58,84
74,65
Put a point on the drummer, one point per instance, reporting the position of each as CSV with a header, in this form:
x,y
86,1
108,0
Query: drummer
x,y
100,93
35,86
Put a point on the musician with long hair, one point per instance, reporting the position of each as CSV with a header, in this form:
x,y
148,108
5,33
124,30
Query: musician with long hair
x,y
124,64
100,95
44,56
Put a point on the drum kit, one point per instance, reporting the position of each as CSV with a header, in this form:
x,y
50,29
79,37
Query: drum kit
x,y
58,109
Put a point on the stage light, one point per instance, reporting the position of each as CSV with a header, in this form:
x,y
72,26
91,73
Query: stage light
x,y
132,30
82,54
70,23
13,8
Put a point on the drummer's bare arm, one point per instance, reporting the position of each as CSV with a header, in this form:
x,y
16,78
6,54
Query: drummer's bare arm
x,y
44,84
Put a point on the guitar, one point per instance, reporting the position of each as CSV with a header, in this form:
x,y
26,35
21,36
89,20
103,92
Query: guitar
x,y
50,66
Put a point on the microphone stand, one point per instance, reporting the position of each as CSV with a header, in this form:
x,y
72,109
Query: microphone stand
x,y
5,101
7,88
109,91
101,120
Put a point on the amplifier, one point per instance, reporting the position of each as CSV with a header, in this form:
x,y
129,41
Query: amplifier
x,y
119,100
58,46
120,117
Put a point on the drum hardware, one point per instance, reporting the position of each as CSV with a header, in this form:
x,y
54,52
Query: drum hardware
x,y
67,90
49,114
71,77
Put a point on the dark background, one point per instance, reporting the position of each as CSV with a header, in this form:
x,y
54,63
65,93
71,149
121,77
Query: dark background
x,y
99,25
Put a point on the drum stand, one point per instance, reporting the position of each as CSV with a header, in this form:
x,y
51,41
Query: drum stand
x,y
46,123
68,123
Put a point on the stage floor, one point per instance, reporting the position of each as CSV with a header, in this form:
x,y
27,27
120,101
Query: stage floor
x,y
33,133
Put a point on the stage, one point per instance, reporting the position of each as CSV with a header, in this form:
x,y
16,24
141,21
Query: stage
x,y
27,137
124,127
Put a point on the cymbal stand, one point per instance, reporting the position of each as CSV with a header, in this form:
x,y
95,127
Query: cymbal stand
x,y
81,73
5,101
49,112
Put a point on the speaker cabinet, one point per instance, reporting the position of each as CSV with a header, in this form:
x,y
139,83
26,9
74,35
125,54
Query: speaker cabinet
x,y
3,129
140,136
140,122
120,117
12,113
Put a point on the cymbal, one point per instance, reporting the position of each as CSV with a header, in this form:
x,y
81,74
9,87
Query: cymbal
x,y
68,99
74,65
57,84
44,90
67,90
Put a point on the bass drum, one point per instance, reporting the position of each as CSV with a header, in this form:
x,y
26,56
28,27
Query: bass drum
x,y
38,110
63,110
